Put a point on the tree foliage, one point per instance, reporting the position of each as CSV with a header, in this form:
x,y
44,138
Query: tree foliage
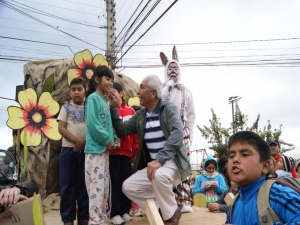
x,y
218,136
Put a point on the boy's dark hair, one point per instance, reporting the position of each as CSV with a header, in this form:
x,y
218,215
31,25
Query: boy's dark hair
x,y
99,72
78,81
222,163
211,161
117,86
253,139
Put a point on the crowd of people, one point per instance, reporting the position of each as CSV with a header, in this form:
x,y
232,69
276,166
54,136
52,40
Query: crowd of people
x,y
114,158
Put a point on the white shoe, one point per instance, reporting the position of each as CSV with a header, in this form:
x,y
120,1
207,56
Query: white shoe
x,y
117,220
126,217
135,213
186,209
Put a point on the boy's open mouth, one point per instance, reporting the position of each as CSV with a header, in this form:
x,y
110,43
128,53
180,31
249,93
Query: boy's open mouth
x,y
235,169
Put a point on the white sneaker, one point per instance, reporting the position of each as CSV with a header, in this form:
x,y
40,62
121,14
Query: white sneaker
x,y
117,220
186,209
135,213
126,217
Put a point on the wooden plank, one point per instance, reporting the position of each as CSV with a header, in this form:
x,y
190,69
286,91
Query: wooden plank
x,y
228,198
152,213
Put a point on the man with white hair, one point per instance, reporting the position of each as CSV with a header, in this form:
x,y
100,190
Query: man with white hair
x,y
161,162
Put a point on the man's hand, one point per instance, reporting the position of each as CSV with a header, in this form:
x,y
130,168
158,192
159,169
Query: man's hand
x,y
113,101
151,169
11,196
213,206
79,145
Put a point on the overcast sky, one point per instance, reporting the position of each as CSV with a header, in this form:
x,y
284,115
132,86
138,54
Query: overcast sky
x,y
271,90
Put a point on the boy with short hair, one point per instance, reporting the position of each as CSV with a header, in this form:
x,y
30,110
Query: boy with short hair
x,y
72,126
248,163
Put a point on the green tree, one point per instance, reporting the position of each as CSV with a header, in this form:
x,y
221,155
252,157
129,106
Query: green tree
x,y
218,136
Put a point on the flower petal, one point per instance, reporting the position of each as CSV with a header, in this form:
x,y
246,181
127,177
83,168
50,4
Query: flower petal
x,y
83,58
17,118
34,136
27,99
48,104
74,73
50,129
99,60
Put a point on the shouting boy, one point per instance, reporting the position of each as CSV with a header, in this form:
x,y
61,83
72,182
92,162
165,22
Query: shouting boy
x,y
248,163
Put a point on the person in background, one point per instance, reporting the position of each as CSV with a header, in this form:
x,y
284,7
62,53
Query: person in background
x,y
222,166
220,204
285,165
275,151
210,182
120,163
72,127
298,169
100,140
174,91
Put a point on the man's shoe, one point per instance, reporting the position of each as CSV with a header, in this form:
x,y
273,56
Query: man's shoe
x,y
174,220
117,220
83,222
186,209
69,223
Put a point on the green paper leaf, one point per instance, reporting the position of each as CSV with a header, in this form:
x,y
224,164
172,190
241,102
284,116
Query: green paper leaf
x,y
49,84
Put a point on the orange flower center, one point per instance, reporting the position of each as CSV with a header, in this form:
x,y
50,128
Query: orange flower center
x,y
89,73
37,117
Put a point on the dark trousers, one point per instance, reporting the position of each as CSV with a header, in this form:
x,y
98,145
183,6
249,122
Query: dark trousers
x,y
72,185
120,170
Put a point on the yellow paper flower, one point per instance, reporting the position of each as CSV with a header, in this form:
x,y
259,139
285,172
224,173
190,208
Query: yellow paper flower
x,y
86,65
34,116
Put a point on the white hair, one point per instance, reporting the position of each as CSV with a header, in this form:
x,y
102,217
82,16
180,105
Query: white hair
x,y
154,83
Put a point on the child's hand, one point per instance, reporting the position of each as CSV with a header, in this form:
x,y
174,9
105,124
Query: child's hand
x,y
111,146
79,145
117,145
207,187
213,206
213,186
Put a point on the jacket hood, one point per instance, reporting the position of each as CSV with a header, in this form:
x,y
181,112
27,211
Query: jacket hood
x,y
166,71
211,158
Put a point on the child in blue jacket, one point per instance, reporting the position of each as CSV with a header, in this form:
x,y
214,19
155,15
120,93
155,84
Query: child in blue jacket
x,y
210,182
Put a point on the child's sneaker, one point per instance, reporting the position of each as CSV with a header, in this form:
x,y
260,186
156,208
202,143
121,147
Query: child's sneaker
x,y
135,213
117,220
126,217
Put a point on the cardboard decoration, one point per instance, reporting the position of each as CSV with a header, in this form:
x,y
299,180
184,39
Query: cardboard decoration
x,y
35,116
86,64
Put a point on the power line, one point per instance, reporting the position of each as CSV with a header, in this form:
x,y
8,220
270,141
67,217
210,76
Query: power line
x,y
42,53
83,4
51,15
47,33
34,18
42,42
86,13
223,42
56,27
148,29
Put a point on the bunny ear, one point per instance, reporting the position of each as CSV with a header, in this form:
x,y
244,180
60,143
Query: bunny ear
x,y
164,59
174,54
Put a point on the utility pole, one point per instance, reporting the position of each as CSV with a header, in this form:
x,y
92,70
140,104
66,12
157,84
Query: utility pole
x,y
110,27
231,101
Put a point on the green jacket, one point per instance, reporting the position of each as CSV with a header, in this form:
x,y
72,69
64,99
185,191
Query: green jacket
x,y
171,126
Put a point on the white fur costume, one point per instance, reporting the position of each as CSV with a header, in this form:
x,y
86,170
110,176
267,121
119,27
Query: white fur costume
x,y
175,96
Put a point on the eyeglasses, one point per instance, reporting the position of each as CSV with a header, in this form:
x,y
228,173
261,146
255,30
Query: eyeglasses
x,y
170,69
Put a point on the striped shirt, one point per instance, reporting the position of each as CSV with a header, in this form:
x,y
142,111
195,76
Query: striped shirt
x,y
154,137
